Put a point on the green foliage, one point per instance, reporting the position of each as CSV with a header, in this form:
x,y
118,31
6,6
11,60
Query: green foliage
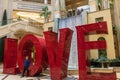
x,y
4,19
111,4
102,59
93,60
101,38
105,59
118,57
115,60
45,13
102,55
2,48
114,29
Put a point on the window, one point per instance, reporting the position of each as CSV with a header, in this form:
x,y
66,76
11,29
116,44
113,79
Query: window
x,y
100,19
102,53
50,28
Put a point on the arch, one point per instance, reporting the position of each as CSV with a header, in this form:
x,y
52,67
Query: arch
x,y
25,49
102,53
101,38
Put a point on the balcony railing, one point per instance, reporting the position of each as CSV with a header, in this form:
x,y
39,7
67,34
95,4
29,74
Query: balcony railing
x,y
29,21
35,24
8,21
36,1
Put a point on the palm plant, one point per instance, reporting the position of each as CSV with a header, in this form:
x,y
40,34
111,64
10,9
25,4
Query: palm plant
x,y
45,13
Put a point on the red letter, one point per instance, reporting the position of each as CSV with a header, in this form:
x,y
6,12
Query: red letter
x,y
25,49
83,46
58,52
10,56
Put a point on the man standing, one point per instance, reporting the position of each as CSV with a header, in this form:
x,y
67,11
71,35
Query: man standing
x,y
26,66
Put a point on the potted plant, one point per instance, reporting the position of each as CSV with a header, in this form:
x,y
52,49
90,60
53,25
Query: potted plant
x,y
45,13
95,63
115,62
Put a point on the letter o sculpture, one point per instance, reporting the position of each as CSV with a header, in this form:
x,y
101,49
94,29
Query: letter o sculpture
x,y
25,49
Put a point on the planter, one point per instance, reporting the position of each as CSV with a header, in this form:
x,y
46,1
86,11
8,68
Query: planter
x,y
99,64
114,64
95,64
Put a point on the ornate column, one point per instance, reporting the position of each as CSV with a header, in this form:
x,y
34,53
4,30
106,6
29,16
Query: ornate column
x,y
59,12
63,8
117,19
52,9
9,9
45,1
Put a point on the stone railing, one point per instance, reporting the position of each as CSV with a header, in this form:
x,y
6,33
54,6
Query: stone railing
x,y
35,24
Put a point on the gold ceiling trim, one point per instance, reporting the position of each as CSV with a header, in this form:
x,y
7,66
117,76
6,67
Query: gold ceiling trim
x,y
73,4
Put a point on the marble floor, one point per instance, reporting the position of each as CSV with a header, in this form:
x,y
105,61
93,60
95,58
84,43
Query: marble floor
x,y
45,77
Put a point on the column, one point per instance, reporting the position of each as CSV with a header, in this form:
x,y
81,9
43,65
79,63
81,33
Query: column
x,y
117,20
45,1
52,9
1,9
9,9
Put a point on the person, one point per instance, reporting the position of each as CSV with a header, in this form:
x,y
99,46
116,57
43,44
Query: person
x,y
26,66
99,4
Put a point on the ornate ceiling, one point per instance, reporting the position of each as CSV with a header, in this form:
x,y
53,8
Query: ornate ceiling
x,y
73,4
70,4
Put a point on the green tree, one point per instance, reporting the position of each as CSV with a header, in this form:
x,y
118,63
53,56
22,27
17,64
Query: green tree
x,y
2,48
45,13
4,19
